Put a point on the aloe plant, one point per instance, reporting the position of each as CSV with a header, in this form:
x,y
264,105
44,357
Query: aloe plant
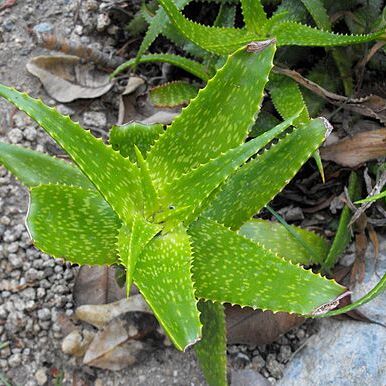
x,y
174,206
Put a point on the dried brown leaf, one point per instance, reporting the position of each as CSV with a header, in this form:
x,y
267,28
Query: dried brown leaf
x,y
113,348
65,78
372,106
100,315
96,285
362,147
256,327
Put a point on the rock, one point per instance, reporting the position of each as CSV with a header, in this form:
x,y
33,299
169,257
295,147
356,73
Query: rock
x,y
347,352
248,378
95,119
15,136
41,376
76,342
43,28
103,21
44,314
14,360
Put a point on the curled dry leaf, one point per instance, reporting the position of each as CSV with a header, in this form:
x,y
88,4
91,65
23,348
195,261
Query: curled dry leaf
x,y
358,149
256,327
97,285
115,347
100,315
65,78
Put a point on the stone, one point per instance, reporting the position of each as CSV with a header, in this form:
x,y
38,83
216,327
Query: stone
x,y
95,119
41,376
15,136
248,378
44,314
14,360
347,352
43,27
103,21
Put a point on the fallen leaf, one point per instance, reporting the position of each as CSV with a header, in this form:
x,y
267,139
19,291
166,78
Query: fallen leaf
x,y
96,285
135,106
66,78
114,347
100,315
372,106
256,327
362,147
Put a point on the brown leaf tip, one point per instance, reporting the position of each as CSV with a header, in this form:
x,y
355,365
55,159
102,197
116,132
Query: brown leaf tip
x,y
259,45
326,307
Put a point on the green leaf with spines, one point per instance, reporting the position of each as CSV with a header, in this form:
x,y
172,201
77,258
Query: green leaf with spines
x,y
256,183
124,137
188,65
319,13
287,98
173,94
73,223
89,153
191,189
254,16
215,115
163,276
157,25
33,168
247,274
218,40
295,34
131,242
150,197
211,349
343,234
275,237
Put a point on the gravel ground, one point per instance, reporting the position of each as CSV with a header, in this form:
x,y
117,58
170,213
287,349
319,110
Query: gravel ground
x,y
36,289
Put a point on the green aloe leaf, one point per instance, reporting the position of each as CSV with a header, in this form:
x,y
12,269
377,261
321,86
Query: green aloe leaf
x,y
215,116
343,234
218,40
156,27
163,276
254,16
289,33
124,137
247,274
33,168
150,198
319,13
100,163
73,223
173,94
191,189
276,238
211,349
256,183
131,242
287,98
188,65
